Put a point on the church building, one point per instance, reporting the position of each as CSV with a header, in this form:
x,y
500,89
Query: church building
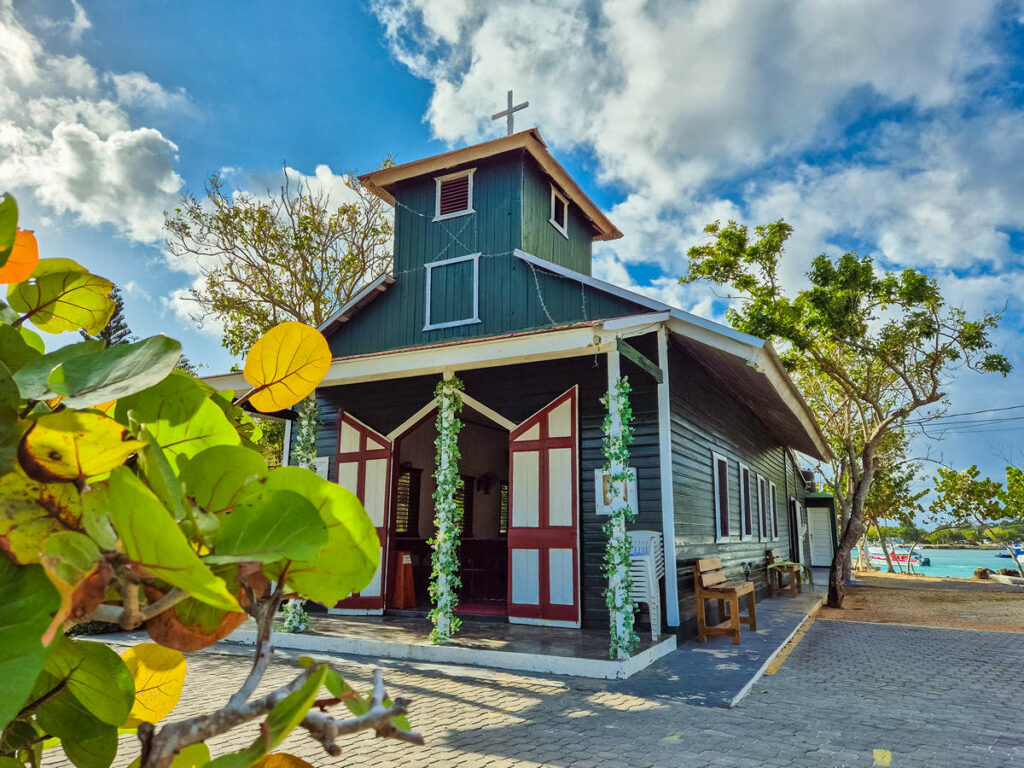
x,y
492,284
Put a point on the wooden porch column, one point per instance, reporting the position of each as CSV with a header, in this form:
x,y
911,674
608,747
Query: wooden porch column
x,y
668,507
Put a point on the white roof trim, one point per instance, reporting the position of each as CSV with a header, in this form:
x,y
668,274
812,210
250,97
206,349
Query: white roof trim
x,y
638,298
379,284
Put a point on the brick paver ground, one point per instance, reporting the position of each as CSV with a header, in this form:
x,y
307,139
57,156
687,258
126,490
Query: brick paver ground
x,y
929,697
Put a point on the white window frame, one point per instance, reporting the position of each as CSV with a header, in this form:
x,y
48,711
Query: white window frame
x,y
749,499
556,195
719,494
762,508
773,512
475,258
469,196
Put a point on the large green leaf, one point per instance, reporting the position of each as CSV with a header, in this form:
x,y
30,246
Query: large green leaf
x,y
9,395
206,428
11,430
96,676
152,539
96,515
173,400
32,377
88,742
16,348
8,226
28,602
63,301
216,477
281,721
160,476
32,511
349,559
115,372
73,445
267,526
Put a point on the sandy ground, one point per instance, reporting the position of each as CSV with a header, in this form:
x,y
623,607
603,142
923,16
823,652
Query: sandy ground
x,y
957,603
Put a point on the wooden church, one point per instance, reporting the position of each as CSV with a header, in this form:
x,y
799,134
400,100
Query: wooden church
x,y
492,283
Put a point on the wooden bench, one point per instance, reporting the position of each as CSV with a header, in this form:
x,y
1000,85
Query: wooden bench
x,y
795,573
710,584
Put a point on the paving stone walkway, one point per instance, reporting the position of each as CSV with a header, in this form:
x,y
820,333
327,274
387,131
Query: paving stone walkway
x,y
849,694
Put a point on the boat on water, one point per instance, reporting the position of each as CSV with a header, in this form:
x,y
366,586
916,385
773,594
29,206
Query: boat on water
x,y
897,554
1018,550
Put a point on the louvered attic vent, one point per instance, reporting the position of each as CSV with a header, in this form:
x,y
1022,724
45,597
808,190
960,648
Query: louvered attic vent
x,y
454,195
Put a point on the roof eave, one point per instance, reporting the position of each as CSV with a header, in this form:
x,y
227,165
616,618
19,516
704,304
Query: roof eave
x,y
378,181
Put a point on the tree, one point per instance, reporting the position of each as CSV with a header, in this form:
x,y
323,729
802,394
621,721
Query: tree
x,y
867,347
891,496
970,500
291,255
116,331
132,493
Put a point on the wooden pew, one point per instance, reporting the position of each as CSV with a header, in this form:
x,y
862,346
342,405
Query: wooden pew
x,y
795,573
711,584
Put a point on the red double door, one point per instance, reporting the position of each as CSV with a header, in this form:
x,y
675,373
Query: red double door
x,y
543,528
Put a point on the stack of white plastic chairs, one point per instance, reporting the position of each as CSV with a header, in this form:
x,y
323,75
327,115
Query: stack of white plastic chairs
x,y
646,567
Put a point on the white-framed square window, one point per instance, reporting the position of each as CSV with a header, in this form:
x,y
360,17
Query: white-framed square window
x,y
773,513
762,509
453,292
746,504
720,477
559,212
454,195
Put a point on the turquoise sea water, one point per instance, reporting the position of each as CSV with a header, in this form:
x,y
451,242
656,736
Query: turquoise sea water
x,y
958,562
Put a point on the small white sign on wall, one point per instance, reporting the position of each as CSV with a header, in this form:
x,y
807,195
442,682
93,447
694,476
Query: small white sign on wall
x,y
602,486
320,464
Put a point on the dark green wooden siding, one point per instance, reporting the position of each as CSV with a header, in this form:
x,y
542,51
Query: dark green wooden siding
x,y
513,296
539,236
706,419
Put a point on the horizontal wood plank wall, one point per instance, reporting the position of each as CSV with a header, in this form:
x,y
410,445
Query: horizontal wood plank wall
x,y
539,236
513,296
706,419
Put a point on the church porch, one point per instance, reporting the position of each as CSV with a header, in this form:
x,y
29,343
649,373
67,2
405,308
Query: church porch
x,y
479,642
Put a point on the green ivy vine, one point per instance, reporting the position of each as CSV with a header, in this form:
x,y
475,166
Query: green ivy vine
x,y
444,578
618,436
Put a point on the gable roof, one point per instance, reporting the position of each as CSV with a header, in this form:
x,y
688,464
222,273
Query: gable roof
x,y
364,296
381,182
747,365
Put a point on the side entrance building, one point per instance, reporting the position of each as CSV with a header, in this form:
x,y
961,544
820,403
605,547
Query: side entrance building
x,y
492,283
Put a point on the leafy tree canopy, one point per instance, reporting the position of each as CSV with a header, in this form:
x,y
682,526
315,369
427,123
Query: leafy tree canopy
x,y
867,347
290,255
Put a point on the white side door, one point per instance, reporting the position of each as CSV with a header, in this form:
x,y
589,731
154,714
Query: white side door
x,y
820,526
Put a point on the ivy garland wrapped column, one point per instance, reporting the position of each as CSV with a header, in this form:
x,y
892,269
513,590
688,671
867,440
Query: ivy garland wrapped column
x,y
618,436
296,619
444,580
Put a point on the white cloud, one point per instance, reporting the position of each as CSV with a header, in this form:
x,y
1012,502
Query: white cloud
x,y
66,135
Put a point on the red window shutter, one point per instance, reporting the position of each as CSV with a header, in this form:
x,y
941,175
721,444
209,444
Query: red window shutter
x,y
723,498
454,195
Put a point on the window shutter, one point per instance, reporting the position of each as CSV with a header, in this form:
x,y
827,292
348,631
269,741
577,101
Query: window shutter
x,y
454,195
720,477
748,523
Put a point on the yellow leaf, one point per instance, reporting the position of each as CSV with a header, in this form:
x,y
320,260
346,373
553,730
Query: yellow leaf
x,y
23,259
159,674
74,444
285,365
282,760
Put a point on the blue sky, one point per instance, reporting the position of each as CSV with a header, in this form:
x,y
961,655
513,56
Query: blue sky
x,y
896,128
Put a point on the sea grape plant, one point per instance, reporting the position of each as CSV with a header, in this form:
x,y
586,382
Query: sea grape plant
x,y
134,493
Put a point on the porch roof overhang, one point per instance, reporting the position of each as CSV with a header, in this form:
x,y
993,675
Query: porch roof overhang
x,y
749,367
